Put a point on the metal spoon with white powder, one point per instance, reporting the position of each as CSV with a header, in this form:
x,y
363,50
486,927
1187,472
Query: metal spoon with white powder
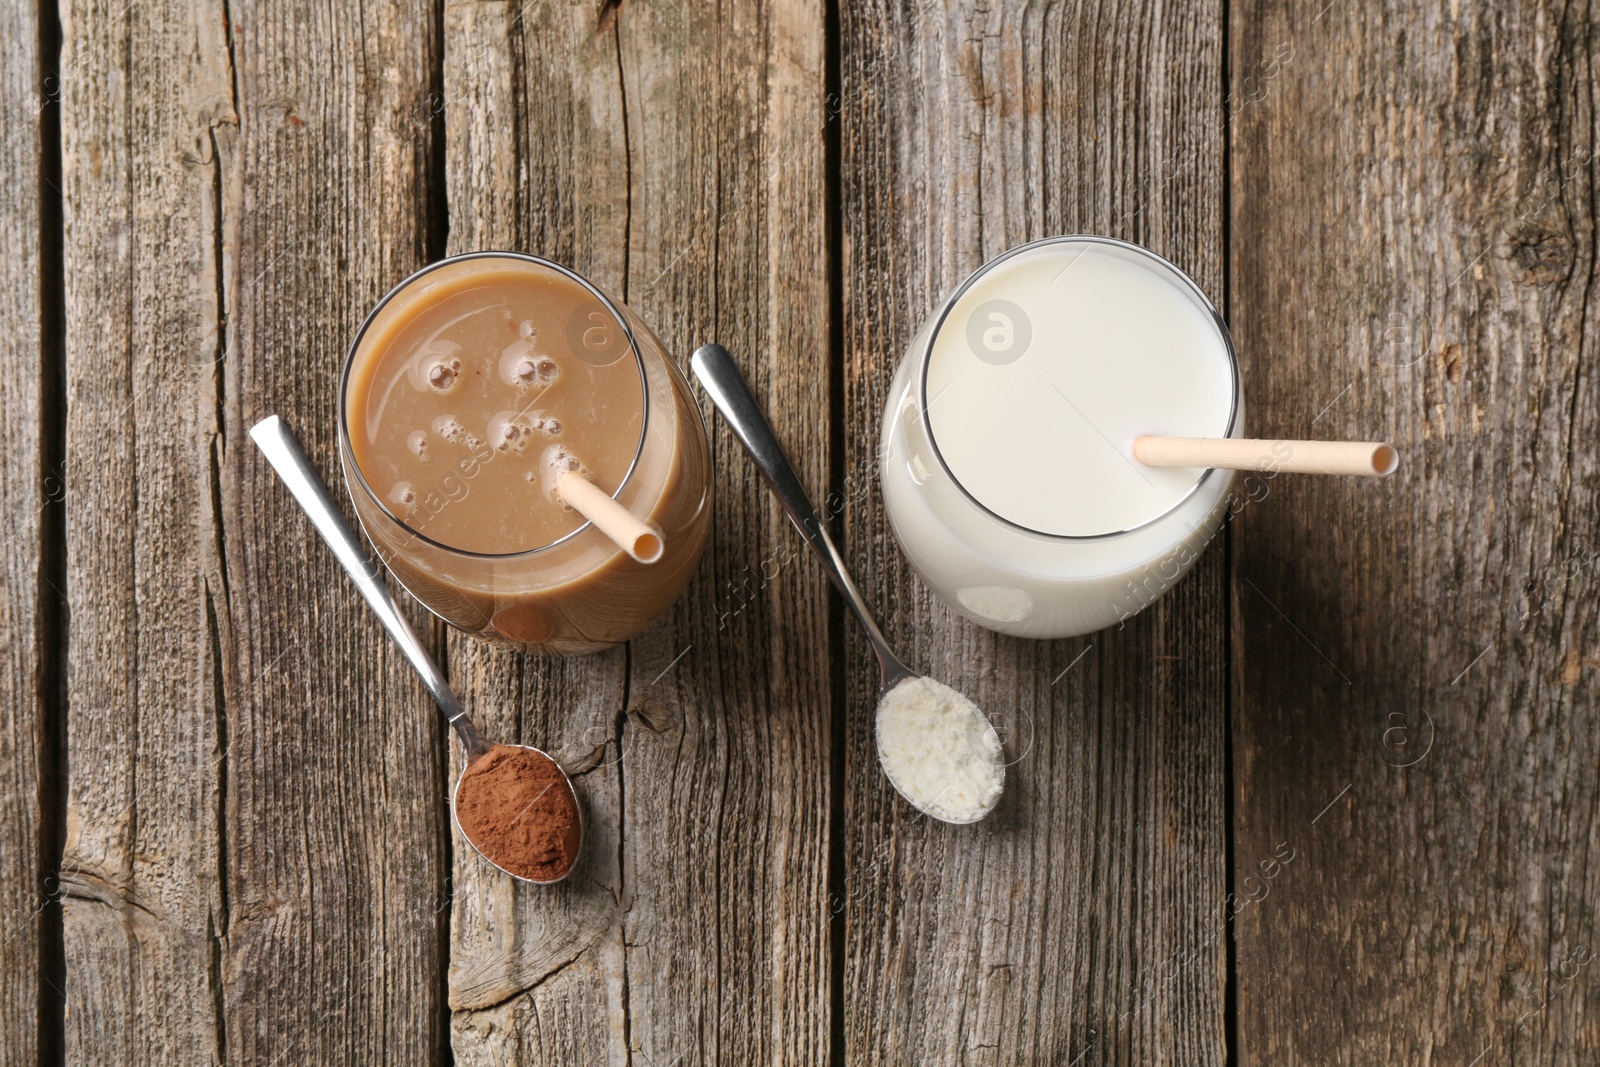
x,y
937,748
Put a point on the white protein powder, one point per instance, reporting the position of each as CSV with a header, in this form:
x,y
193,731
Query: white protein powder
x,y
939,751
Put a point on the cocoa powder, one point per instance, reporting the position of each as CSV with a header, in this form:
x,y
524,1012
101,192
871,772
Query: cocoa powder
x,y
515,806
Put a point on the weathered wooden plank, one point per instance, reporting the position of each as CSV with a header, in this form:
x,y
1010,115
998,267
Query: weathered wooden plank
x,y
24,495
575,1015
631,146
1082,922
256,826
1413,205
336,790
727,775
537,161
141,92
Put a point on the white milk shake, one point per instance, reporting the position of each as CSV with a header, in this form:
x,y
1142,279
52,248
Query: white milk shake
x,y
1007,462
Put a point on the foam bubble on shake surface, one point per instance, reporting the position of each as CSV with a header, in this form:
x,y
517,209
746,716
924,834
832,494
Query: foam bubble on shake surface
x,y
403,495
437,368
449,427
939,751
510,431
556,461
523,366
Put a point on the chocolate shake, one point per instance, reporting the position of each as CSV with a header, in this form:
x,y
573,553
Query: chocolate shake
x,y
473,387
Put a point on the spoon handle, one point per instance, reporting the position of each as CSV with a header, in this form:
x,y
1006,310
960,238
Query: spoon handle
x,y
277,443
720,378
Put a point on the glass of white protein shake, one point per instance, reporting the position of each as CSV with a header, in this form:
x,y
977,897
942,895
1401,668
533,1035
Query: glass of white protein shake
x,y
1006,456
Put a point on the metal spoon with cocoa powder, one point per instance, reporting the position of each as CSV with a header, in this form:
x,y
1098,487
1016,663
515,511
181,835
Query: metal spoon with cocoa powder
x,y
521,812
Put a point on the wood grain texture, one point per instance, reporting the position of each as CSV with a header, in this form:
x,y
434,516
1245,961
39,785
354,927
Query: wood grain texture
x,y
727,768
335,860
255,834
674,156
1414,219
537,161
1082,922
1399,203
26,489
143,899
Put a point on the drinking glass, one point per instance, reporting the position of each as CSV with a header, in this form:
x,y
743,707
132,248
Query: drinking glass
x,y
580,592
1011,485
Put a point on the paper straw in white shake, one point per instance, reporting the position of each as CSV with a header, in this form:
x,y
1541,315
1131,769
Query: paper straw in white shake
x,y
1369,458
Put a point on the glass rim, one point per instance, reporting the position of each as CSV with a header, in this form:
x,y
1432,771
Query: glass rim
x,y
1193,290
349,363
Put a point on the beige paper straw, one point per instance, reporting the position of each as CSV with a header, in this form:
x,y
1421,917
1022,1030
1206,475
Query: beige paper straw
x,y
633,535
1372,458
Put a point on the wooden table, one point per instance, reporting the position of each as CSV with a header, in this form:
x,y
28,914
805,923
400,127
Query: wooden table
x,y
1332,800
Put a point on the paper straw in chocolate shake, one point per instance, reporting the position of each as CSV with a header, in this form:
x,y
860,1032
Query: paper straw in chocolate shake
x,y
513,803
632,534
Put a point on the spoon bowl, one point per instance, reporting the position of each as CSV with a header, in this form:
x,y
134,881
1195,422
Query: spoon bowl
x,y
277,443
566,783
